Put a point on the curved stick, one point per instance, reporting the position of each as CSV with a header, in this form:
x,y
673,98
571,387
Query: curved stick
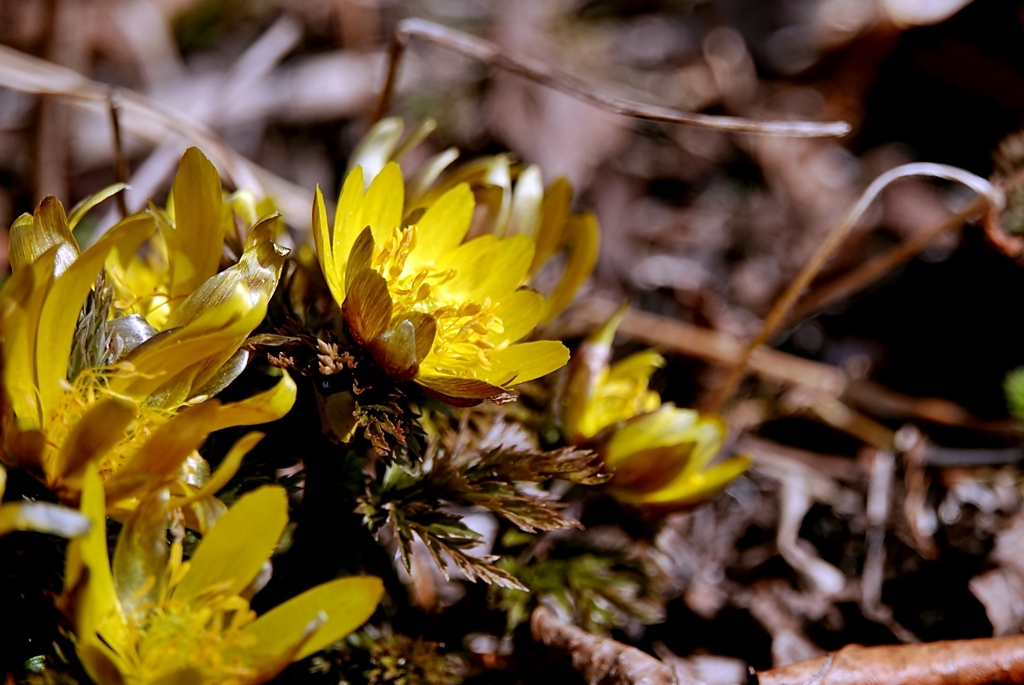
x,y
539,72
993,195
950,662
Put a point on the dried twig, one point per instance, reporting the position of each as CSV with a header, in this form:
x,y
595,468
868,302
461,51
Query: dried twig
x,y
953,662
539,72
881,471
120,161
785,303
599,659
721,348
870,271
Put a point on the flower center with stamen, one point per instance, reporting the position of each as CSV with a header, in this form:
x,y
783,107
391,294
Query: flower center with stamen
x,y
466,331
206,637
89,388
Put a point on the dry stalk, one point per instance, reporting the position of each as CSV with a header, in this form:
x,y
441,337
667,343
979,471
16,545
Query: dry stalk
x,y
600,660
784,304
724,349
539,72
951,662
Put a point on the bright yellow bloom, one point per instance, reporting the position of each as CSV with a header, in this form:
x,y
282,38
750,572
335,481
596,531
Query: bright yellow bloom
x,y
516,200
135,405
661,460
149,617
598,395
188,242
427,305
660,456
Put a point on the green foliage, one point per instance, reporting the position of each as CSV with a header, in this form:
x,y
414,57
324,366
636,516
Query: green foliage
x,y
375,656
601,588
411,500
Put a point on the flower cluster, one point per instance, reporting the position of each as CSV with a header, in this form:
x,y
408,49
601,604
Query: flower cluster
x,y
130,366
170,338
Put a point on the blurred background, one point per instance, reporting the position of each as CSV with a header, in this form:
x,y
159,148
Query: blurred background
x,y
698,226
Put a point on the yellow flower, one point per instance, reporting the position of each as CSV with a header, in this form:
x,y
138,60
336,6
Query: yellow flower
x,y
659,455
427,305
136,406
188,243
149,617
516,200
661,460
598,395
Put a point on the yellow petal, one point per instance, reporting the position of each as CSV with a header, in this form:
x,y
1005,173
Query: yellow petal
x,y
189,353
224,473
228,372
98,430
322,239
691,489
383,203
140,558
709,435
82,208
637,366
665,427
525,361
472,263
159,458
367,307
377,147
519,314
360,257
258,270
46,228
89,597
347,218
347,602
553,213
234,550
583,238
59,315
427,175
527,198
22,300
463,392
650,469
507,270
443,226
491,181
269,405
199,219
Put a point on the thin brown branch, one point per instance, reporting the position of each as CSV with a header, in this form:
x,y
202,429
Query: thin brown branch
x,y
599,659
539,72
120,160
832,241
870,271
720,348
952,662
